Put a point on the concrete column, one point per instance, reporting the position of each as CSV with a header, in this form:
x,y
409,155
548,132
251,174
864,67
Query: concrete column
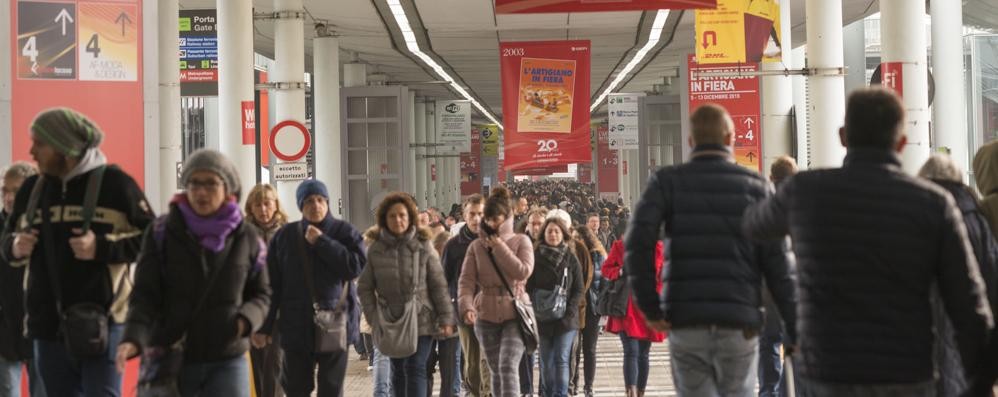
x,y
826,93
410,152
170,136
354,75
289,67
854,43
235,85
622,185
328,137
456,177
422,166
432,192
949,110
6,121
635,176
777,100
902,27
800,107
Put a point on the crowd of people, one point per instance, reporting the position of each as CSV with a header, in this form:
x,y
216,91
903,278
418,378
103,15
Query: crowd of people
x,y
877,282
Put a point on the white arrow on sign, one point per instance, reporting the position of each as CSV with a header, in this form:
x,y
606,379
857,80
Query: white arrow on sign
x,y
64,17
748,122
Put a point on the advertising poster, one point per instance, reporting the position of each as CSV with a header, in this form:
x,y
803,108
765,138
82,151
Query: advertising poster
x,y
739,31
84,55
607,162
108,42
545,89
623,115
198,53
740,97
539,6
453,126
471,165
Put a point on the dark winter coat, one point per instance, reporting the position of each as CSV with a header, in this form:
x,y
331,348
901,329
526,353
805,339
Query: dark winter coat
x,y
548,270
13,345
337,258
871,241
715,274
453,259
120,216
172,276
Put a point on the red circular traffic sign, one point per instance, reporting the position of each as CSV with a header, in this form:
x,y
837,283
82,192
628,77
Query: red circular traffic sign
x,y
304,132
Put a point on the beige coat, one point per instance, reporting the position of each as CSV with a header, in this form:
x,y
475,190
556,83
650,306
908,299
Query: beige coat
x,y
480,289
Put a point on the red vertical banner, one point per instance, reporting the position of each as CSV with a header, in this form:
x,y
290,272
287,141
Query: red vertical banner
x,y
891,76
264,121
86,56
586,173
471,165
609,179
739,95
545,89
248,115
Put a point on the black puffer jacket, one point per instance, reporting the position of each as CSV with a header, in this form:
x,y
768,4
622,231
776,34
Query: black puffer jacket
x,y
550,264
715,274
171,278
13,345
453,259
870,242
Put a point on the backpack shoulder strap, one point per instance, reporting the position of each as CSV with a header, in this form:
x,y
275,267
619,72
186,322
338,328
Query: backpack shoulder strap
x,y
90,198
36,193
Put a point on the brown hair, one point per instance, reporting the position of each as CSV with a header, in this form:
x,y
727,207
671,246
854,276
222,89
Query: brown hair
x,y
566,234
473,199
381,214
711,123
874,118
258,194
783,168
498,203
590,239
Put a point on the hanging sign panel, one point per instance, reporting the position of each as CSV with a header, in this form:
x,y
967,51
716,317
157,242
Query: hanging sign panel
x,y
46,40
198,53
607,162
545,89
740,97
623,115
540,6
471,165
453,126
739,31
108,42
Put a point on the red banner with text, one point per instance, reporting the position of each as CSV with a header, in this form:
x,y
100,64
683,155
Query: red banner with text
x,y
545,89
739,96
471,165
609,178
540,6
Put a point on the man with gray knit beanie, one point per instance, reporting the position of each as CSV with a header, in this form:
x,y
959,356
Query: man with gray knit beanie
x,y
77,254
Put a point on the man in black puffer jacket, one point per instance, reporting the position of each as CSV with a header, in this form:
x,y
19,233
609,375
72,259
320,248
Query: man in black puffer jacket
x,y
871,241
713,284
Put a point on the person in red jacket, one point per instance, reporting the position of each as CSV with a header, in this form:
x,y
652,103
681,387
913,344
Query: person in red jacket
x,y
635,335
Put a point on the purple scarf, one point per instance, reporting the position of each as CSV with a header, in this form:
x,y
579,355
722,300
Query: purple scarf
x,y
211,232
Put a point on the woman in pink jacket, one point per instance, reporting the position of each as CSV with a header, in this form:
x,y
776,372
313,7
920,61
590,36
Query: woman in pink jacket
x,y
483,300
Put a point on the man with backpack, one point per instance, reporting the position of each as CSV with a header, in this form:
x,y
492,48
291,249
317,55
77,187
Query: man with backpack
x,y
77,225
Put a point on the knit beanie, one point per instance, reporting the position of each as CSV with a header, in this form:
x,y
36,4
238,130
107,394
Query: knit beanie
x,y
67,131
308,188
216,162
562,215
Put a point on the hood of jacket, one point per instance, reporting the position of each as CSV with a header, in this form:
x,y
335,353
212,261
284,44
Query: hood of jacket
x,y
374,234
93,158
986,169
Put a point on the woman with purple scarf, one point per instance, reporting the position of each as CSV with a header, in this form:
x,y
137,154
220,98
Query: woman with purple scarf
x,y
201,286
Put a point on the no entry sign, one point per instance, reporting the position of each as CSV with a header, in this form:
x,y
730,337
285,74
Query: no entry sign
x,y
288,146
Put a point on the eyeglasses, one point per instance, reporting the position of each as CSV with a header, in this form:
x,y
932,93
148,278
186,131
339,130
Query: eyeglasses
x,y
207,185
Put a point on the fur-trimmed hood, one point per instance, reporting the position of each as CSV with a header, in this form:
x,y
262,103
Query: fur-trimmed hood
x,y
373,234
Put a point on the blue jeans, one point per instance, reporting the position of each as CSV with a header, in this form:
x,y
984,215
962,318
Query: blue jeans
x,y
555,352
409,373
220,378
10,378
66,376
712,361
770,363
635,361
382,374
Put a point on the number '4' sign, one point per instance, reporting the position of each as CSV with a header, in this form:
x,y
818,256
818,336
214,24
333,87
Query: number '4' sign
x,y
93,46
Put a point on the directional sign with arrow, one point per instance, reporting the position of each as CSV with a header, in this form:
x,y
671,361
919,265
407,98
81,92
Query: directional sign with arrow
x,y
46,40
109,42
123,19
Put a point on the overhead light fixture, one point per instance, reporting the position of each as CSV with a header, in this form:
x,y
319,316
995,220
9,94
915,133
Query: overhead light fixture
x,y
653,38
413,46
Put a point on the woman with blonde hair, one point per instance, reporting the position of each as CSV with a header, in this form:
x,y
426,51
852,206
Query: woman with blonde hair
x,y
265,215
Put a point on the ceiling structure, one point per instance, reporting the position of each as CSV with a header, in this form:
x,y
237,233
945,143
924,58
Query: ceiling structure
x,y
464,36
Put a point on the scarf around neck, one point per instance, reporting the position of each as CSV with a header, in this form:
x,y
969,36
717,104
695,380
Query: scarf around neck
x,y
211,231
553,254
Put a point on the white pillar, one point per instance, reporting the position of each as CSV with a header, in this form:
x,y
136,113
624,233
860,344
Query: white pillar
x,y
6,136
289,67
777,100
431,163
635,180
354,75
902,27
622,185
170,136
235,85
456,177
328,147
410,154
827,93
949,110
800,107
422,167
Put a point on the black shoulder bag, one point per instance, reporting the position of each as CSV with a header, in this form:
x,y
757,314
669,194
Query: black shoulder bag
x,y
330,325
613,296
524,311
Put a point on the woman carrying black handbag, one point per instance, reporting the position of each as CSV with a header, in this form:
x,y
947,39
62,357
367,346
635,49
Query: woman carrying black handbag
x,y
201,289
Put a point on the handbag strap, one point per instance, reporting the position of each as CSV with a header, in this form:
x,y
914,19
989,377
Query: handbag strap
x,y
307,274
492,258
